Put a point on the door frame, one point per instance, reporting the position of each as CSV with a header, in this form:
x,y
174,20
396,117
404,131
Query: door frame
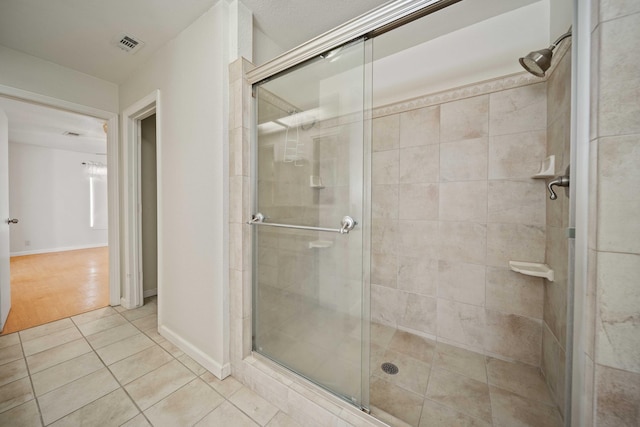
x,y
132,117
113,193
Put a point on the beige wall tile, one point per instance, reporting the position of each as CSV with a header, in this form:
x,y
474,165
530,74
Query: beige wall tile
x,y
387,305
515,293
464,160
619,304
418,239
417,275
550,359
515,242
463,242
419,164
517,202
513,336
611,9
462,282
518,110
558,91
419,313
619,75
590,306
386,133
384,236
418,202
384,201
524,380
384,270
618,397
464,119
420,127
462,323
517,156
385,167
619,198
463,201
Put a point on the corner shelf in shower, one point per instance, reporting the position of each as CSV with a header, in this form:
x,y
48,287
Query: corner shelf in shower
x,y
532,269
320,244
547,168
315,182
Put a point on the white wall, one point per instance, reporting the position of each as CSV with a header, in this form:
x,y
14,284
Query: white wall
x,y
26,72
264,48
49,194
191,72
486,50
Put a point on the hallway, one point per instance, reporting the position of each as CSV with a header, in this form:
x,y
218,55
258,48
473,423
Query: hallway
x,y
52,286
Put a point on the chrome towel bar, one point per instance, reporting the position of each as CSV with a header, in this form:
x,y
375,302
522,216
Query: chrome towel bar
x,y
346,225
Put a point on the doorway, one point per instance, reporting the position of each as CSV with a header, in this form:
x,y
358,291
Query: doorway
x,y
149,206
142,240
61,245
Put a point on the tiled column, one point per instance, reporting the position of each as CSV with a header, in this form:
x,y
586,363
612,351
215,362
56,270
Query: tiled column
x,y
239,212
613,297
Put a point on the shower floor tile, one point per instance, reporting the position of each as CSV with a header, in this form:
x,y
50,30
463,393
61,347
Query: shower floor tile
x,y
463,388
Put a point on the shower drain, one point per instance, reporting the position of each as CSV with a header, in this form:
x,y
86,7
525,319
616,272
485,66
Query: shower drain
x,y
389,368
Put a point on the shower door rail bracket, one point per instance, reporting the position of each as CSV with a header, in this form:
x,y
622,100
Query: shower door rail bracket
x,y
346,225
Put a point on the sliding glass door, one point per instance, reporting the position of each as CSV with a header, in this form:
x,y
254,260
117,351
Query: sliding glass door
x,y
310,295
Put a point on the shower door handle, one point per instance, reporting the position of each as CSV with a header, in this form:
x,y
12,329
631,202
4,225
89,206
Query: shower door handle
x,y
346,225
560,181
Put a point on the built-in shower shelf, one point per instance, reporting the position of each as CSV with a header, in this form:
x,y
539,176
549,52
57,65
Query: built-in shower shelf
x,y
547,168
315,182
320,244
532,269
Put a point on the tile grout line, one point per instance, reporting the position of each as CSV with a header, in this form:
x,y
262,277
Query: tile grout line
x,y
24,358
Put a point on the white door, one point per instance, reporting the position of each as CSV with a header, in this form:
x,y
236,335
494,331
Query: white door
x,y
5,280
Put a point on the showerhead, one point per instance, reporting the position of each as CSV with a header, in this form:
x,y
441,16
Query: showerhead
x,y
539,61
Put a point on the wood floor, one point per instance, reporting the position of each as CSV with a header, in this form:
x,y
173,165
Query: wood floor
x,y
52,286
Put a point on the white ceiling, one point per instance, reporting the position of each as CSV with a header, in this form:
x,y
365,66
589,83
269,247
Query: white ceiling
x,y
44,126
80,34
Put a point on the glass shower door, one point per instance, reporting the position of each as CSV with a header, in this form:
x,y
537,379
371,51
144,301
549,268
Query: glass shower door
x,y
310,304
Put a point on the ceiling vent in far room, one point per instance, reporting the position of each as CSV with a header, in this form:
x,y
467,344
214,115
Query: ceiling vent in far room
x,y
70,133
129,43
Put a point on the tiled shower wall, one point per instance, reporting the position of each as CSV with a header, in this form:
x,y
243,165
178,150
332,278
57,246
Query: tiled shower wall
x,y
453,202
554,333
612,371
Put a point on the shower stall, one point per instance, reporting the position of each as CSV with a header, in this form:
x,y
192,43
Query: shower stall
x,y
406,255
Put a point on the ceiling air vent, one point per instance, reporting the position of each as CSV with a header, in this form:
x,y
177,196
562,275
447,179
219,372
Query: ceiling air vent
x,y
129,43
69,133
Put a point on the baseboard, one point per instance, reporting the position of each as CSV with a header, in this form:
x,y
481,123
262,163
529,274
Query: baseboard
x,y
150,292
62,249
220,371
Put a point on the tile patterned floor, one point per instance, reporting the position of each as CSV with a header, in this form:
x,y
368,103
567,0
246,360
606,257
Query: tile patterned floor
x,y
442,385
110,367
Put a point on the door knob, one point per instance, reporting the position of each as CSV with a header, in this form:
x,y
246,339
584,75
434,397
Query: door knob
x,y
12,221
